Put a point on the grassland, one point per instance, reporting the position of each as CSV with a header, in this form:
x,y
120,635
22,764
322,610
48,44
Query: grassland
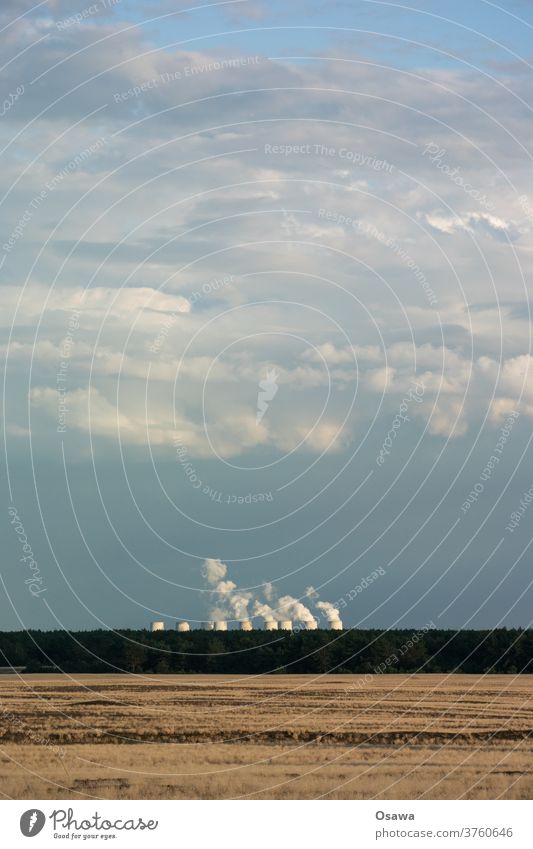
x,y
280,736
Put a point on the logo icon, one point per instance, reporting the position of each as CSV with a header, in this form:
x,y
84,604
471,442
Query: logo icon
x,y
32,822
267,390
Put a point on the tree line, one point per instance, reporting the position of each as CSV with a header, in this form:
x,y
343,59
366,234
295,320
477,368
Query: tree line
x,y
257,652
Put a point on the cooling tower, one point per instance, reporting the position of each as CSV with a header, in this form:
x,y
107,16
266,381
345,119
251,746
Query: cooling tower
x,y
335,624
285,625
271,625
183,626
246,625
207,626
157,626
220,625
311,625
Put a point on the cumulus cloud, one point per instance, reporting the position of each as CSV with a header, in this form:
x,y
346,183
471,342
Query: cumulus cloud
x,y
127,306
345,226
470,222
448,418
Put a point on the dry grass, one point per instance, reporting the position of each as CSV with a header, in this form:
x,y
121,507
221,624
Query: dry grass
x,y
285,737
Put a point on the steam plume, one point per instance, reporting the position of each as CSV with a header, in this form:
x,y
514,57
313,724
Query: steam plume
x,y
214,570
230,602
264,611
290,608
329,609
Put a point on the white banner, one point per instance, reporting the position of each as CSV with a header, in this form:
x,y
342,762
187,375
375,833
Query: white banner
x,y
261,824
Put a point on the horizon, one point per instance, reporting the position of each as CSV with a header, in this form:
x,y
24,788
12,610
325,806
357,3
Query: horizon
x,y
266,282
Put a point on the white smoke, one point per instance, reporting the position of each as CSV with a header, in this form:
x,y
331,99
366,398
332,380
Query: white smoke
x,y
225,587
268,591
311,593
239,604
290,608
331,612
264,611
231,603
286,607
214,570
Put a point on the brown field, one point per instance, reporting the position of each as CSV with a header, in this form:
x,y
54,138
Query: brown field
x,y
271,737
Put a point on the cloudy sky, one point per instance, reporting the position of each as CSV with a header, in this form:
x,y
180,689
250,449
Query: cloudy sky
x,y
266,274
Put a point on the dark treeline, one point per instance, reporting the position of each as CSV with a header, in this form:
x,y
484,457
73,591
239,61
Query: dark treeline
x,y
235,652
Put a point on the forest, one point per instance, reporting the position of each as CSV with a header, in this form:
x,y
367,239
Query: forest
x,y
371,652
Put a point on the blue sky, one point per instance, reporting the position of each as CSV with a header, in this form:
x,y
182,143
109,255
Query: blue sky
x,y
477,32
266,283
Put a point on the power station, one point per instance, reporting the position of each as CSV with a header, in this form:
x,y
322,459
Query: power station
x,y
246,625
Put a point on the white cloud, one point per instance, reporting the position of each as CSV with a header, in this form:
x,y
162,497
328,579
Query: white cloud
x,y
470,222
447,418
256,216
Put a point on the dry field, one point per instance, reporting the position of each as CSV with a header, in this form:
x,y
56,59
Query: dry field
x,y
271,737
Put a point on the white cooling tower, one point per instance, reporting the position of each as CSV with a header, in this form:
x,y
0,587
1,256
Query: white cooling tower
x,y
311,625
157,626
208,626
271,625
285,625
220,625
335,624
183,626
246,625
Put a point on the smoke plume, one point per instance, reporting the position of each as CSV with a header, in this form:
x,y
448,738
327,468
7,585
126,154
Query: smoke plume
x,y
329,609
214,570
264,611
290,608
228,602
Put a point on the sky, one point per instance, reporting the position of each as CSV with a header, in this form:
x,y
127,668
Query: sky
x,y
266,283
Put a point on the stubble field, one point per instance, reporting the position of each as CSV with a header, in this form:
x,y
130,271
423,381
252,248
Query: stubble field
x,y
270,737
